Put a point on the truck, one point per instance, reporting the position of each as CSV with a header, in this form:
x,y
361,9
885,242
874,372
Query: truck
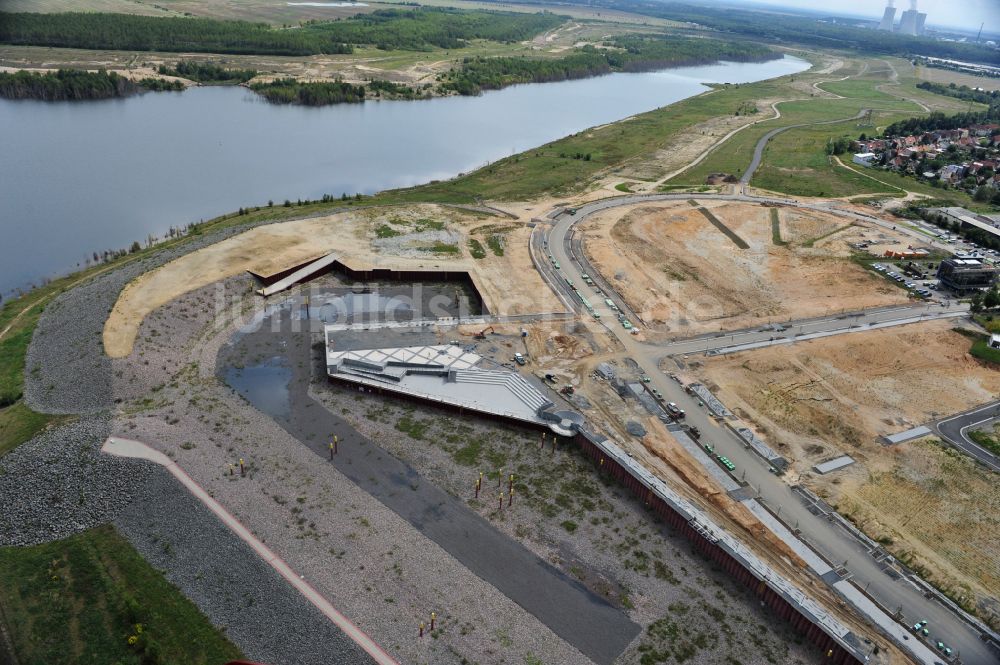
x,y
519,359
610,303
675,411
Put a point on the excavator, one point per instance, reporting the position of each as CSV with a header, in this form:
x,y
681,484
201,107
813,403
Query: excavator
x,y
482,333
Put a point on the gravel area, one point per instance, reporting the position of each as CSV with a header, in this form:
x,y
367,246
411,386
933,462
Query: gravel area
x,y
595,531
59,483
416,245
261,613
66,370
376,568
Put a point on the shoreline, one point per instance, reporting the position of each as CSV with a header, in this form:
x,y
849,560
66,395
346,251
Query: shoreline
x,y
391,192
419,93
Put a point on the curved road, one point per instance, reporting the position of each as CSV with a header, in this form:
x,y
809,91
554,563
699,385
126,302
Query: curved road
x,y
955,428
819,531
758,151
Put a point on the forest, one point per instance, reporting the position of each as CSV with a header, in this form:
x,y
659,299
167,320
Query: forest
x,y
799,29
319,93
324,93
75,85
631,53
207,72
408,29
426,27
125,32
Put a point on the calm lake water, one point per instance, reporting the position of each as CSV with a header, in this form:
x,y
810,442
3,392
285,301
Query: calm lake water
x,y
82,177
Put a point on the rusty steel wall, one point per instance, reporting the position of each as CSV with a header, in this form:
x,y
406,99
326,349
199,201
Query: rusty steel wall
x,y
832,651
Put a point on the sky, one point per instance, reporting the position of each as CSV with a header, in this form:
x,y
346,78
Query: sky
x,y
966,14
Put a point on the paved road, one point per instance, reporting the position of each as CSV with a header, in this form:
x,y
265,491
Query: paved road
x,y
827,537
803,329
758,151
956,430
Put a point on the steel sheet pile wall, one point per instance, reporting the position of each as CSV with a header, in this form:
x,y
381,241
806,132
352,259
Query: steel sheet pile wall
x,y
812,632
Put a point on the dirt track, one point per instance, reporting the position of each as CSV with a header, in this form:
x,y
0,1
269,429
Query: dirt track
x,y
423,237
685,277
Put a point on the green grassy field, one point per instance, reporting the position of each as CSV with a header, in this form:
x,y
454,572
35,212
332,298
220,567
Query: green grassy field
x,y
795,161
982,350
552,169
92,599
988,440
18,317
18,424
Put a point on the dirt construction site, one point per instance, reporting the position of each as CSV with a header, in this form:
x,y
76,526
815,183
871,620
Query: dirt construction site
x,y
687,268
685,274
931,506
491,248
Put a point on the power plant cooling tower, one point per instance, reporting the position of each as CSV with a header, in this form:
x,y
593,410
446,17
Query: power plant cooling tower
x,y
887,18
908,22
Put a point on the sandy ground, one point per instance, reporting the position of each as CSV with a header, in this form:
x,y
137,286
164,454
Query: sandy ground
x,y
508,283
365,64
683,150
683,276
823,398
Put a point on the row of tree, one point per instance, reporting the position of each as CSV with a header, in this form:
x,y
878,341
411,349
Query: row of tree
x,y
981,302
75,85
963,92
938,120
630,53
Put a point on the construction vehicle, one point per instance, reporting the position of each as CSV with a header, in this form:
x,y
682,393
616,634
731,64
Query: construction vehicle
x,y
482,333
567,390
694,432
675,411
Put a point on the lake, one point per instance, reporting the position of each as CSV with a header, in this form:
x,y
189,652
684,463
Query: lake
x,y
79,177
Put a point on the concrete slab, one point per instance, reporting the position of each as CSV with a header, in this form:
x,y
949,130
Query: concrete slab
x,y
834,464
900,437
